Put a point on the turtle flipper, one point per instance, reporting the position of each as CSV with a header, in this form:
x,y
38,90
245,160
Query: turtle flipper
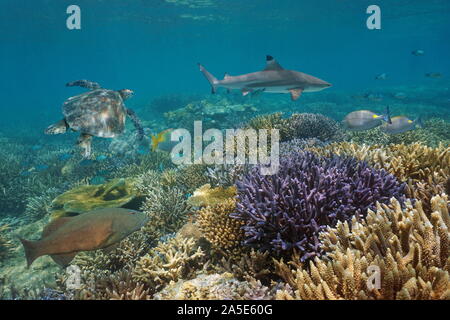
x,y
84,141
57,128
84,84
137,123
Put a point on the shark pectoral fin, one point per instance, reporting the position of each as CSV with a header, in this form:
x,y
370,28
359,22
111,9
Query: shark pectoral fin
x,y
295,93
63,259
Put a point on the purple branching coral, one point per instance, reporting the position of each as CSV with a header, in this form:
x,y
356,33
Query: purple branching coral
x,y
286,211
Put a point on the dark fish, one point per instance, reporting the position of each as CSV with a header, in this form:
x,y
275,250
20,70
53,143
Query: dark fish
x,y
41,167
434,75
381,76
418,52
65,157
64,237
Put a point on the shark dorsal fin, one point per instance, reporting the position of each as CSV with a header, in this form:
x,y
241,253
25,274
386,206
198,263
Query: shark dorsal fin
x,y
272,64
226,75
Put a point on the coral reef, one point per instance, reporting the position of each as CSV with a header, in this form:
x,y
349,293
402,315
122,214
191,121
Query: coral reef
x,y
214,287
215,114
286,211
407,248
167,208
223,232
434,132
5,243
179,258
207,196
299,126
414,161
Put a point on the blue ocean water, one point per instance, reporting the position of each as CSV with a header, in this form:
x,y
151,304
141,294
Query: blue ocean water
x,y
153,46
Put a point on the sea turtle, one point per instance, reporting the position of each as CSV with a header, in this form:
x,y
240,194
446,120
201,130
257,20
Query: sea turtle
x,y
98,112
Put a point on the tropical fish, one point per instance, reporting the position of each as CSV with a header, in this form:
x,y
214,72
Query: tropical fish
x,y
418,52
364,120
101,157
162,141
434,75
41,167
98,180
64,237
274,78
399,95
36,147
381,76
400,124
65,157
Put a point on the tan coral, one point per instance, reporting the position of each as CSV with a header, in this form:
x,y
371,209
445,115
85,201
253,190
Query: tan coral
x,y
207,196
179,258
410,250
415,161
222,231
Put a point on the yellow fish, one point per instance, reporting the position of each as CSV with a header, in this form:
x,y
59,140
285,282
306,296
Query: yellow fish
x,y
162,141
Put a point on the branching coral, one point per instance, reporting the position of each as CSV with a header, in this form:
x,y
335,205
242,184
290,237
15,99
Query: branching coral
x,y
179,258
314,125
207,196
299,125
414,161
286,211
408,249
223,232
6,244
215,287
191,177
167,208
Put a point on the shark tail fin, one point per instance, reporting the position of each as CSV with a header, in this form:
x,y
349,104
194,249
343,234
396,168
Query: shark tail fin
x,y
387,116
212,80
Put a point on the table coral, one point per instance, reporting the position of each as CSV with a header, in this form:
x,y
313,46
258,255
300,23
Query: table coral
x,y
408,246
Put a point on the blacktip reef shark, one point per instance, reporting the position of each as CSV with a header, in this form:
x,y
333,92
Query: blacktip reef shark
x,y
274,78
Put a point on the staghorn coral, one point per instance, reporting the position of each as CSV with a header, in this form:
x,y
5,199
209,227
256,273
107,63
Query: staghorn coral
x,y
223,232
415,161
214,287
39,206
314,125
286,211
409,247
6,244
207,196
167,209
250,265
434,132
191,177
226,175
179,258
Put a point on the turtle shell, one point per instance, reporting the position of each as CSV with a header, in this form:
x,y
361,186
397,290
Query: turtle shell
x,y
99,113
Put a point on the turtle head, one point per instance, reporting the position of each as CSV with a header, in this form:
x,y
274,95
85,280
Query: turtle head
x,y
126,93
